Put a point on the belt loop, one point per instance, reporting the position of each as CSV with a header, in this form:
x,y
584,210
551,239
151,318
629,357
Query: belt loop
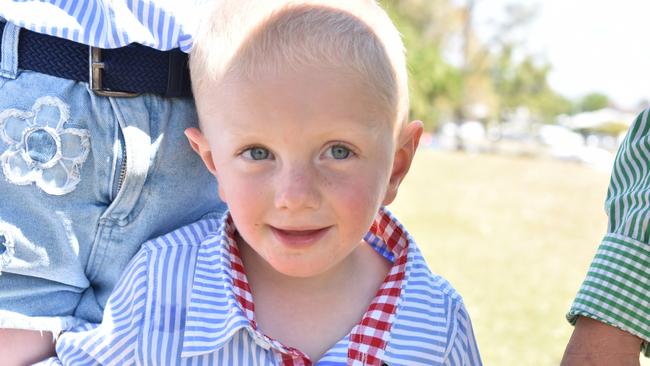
x,y
178,76
9,51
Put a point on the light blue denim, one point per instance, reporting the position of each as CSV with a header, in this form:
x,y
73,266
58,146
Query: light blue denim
x,y
84,180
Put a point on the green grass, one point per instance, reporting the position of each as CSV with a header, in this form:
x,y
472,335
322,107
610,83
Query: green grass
x,y
514,236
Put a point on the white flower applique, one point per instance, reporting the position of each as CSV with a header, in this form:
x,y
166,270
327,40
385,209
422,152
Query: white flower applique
x,y
40,149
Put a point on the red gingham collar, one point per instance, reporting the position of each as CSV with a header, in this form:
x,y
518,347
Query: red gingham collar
x,y
368,339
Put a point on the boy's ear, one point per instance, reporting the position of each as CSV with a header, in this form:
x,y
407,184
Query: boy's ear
x,y
201,146
406,147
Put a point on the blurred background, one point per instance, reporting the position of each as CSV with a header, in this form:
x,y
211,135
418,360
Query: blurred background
x,y
525,104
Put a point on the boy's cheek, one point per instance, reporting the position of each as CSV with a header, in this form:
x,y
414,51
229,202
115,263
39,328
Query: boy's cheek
x,y
248,193
361,197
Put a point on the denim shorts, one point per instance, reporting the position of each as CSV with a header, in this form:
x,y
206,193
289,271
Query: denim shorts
x,y
84,181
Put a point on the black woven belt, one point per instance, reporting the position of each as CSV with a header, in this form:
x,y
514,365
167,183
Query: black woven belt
x,y
125,71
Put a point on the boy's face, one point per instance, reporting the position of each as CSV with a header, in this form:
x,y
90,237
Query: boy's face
x,y
302,163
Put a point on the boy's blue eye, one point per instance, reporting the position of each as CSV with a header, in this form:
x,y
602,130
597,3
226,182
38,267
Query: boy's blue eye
x,y
257,153
340,152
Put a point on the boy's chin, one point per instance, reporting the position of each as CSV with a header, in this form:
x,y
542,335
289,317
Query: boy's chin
x,y
299,271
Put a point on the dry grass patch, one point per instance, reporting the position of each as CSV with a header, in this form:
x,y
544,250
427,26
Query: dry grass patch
x,y
515,236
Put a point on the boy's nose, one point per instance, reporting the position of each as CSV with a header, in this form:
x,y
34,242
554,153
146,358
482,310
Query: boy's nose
x,y
298,189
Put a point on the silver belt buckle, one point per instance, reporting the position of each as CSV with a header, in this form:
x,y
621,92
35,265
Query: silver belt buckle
x,y
95,69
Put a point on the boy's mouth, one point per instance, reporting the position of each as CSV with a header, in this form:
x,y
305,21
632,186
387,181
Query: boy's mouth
x,y
300,237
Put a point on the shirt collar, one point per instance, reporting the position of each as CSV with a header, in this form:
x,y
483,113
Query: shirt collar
x,y
219,273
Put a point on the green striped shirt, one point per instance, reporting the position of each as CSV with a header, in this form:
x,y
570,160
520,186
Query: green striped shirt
x,y
616,290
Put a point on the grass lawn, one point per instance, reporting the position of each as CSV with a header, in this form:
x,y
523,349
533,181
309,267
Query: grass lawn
x,y
514,236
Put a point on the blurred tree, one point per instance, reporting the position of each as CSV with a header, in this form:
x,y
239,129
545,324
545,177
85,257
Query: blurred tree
x,y
593,102
428,27
493,77
521,80
477,98
525,84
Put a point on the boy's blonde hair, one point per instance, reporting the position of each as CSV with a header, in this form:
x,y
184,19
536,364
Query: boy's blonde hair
x,y
252,37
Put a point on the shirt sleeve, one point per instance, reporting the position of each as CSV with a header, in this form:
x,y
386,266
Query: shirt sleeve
x,y
160,24
114,341
463,349
617,286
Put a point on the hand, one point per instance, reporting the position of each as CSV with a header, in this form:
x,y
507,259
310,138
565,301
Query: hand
x,y
594,343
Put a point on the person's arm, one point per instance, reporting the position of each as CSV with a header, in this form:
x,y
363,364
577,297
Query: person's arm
x,y
20,347
611,310
594,343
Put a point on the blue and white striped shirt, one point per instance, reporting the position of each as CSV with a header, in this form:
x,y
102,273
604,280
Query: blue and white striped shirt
x,y
161,24
175,305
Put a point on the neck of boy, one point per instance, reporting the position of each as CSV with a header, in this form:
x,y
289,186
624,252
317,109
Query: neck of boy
x,y
312,314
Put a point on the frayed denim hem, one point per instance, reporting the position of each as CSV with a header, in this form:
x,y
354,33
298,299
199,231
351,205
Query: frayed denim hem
x,y
56,325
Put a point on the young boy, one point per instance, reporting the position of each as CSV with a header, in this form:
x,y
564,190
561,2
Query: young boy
x,y
303,108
